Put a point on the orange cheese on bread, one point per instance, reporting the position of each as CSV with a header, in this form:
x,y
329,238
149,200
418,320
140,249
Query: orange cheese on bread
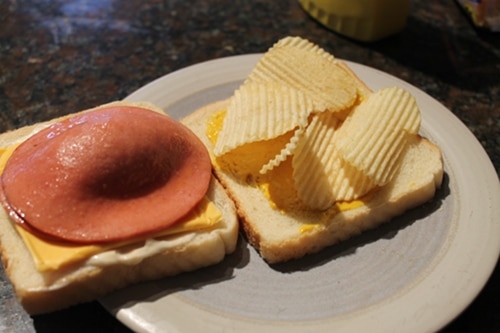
x,y
50,255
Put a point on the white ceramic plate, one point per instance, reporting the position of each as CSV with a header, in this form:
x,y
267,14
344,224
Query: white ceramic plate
x,y
414,274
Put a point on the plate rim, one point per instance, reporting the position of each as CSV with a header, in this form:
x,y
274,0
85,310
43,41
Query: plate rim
x,y
229,66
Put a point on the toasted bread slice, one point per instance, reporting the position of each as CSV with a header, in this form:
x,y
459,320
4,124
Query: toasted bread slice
x,y
280,236
142,261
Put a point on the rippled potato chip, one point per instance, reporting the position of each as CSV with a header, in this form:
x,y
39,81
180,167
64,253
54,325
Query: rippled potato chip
x,y
308,68
303,44
245,162
287,151
310,159
321,175
259,112
375,133
347,182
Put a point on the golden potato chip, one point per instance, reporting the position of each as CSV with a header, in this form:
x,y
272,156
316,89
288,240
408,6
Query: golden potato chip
x,y
309,162
303,44
374,134
245,161
261,111
348,183
288,150
321,175
306,67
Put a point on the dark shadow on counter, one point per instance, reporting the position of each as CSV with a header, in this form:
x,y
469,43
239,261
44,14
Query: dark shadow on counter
x,y
453,58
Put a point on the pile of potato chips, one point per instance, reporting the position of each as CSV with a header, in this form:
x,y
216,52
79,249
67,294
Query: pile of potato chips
x,y
343,140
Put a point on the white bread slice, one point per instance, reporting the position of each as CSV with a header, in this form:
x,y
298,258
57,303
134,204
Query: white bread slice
x,y
280,236
47,292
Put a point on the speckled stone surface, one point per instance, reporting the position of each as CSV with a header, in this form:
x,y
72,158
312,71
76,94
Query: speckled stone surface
x,y
58,57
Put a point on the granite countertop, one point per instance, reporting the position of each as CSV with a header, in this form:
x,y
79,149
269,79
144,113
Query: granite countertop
x,y
57,57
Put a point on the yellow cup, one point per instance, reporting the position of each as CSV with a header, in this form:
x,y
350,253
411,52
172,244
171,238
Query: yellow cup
x,y
364,20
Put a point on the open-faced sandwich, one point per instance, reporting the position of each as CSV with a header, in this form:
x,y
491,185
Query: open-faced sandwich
x,y
104,198
311,156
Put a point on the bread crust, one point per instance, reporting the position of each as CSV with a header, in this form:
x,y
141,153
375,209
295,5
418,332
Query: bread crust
x,y
47,292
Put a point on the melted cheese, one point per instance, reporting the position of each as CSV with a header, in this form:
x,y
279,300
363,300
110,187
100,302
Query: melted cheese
x,y
348,205
327,215
308,227
214,125
52,255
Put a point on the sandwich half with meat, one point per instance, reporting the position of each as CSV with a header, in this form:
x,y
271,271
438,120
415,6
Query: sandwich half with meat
x,y
104,198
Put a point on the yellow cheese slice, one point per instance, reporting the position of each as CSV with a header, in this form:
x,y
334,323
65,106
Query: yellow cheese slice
x,y
51,255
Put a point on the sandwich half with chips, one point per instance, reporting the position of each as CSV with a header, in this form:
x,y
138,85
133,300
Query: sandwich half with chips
x,y
311,155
